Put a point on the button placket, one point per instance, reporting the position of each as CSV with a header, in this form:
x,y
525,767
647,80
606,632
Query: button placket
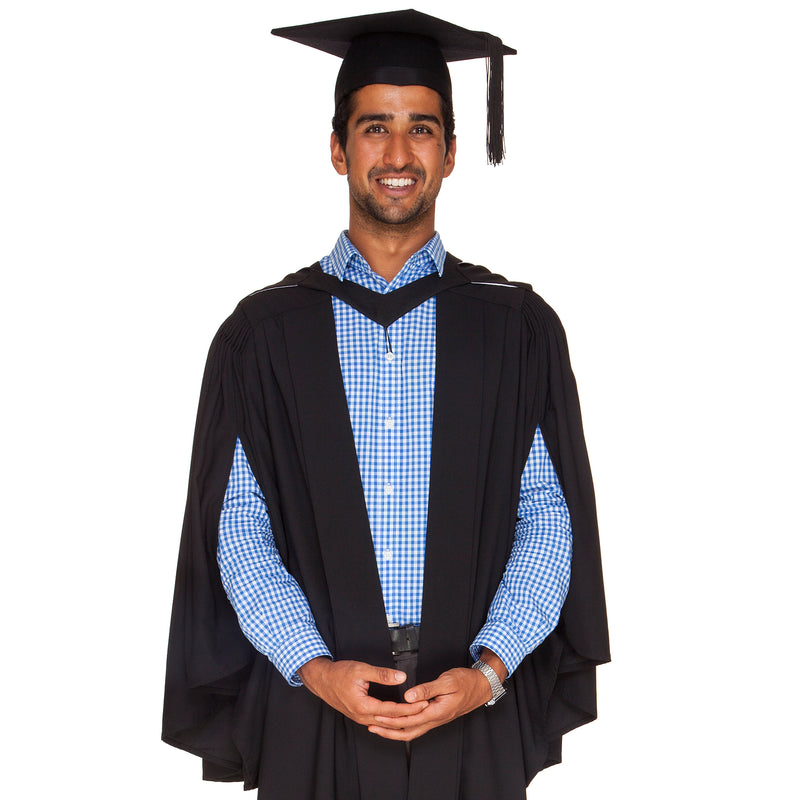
x,y
384,412
387,442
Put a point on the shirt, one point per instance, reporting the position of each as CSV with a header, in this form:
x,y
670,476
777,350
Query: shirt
x,y
389,379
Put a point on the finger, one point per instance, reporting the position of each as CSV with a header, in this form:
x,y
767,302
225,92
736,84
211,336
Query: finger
x,y
428,691
389,711
407,728
436,712
397,722
399,735
384,675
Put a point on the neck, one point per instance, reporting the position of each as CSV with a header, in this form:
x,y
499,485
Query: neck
x,y
387,247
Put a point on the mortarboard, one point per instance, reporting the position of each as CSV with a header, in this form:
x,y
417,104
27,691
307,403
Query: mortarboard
x,y
408,48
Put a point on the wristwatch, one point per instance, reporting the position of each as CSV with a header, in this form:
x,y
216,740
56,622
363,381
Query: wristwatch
x,y
494,681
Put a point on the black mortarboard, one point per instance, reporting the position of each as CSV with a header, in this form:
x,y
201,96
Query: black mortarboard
x,y
407,48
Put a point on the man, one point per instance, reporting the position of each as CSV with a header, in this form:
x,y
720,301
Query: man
x,y
377,546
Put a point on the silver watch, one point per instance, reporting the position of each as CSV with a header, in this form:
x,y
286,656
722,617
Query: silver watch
x,y
494,681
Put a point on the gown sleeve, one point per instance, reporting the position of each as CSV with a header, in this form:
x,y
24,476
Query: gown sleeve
x,y
580,641
208,657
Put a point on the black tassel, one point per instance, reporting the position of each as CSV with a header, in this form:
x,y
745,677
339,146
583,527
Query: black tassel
x,y
495,138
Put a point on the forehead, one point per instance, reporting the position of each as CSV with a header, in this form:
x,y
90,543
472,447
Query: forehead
x,y
397,101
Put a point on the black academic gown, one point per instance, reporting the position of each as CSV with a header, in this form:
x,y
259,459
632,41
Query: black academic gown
x,y
273,379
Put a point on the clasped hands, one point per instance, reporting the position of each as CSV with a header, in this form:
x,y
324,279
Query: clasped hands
x,y
344,685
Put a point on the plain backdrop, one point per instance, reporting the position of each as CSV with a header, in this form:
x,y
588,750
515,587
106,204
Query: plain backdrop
x,y
160,159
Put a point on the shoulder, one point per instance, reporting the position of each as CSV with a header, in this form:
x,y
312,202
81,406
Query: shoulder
x,y
271,301
492,287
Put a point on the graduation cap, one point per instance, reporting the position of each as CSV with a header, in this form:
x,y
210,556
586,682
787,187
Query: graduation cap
x,y
408,48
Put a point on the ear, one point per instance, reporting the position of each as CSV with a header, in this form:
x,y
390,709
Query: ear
x,y
450,158
338,158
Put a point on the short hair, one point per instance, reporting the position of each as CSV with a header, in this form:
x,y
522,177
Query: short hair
x,y
344,108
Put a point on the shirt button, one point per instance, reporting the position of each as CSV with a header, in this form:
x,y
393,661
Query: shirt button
x,y
390,356
389,422
387,554
388,488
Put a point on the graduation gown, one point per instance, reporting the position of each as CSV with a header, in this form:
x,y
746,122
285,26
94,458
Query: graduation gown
x,y
273,379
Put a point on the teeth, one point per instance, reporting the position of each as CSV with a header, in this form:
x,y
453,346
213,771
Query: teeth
x,y
396,183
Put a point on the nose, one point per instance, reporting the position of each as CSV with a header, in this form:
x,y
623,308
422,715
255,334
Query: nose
x,y
397,153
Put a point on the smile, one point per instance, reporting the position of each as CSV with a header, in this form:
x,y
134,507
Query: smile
x,y
397,183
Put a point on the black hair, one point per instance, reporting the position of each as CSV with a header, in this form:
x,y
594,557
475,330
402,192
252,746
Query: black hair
x,y
344,109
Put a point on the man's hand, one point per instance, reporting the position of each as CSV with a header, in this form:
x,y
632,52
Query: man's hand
x,y
452,694
344,685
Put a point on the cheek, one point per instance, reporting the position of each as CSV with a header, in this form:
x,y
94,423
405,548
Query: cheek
x,y
363,151
358,166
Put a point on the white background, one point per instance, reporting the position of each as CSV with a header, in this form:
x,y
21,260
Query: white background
x,y
160,159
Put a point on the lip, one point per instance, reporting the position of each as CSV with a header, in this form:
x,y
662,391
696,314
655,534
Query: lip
x,y
408,183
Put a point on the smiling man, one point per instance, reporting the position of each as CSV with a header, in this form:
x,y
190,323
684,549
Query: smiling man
x,y
396,160
389,583
395,156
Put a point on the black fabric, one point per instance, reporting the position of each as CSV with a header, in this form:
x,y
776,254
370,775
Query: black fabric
x,y
273,379
397,59
386,308
335,36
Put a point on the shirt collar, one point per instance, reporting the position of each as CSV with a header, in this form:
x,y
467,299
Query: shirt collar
x,y
344,255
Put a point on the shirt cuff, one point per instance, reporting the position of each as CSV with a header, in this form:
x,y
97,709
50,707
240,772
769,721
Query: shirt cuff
x,y
503,642
298,650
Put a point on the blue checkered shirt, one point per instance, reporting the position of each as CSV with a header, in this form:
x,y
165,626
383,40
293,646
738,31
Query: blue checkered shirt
x,y
389,380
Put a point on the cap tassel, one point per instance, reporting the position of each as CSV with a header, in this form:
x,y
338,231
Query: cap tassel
x,y
495,138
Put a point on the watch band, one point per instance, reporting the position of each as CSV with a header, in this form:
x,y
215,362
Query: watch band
x,y
494,681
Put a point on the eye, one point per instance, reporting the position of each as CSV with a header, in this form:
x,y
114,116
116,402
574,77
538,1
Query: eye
x,y
421,130
375,128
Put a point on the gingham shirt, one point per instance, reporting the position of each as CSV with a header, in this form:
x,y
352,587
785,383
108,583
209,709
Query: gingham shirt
x,y
389,380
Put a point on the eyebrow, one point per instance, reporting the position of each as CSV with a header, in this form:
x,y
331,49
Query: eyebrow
x,y
413,117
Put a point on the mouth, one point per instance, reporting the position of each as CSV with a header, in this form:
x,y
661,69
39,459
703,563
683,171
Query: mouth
x,y
397,183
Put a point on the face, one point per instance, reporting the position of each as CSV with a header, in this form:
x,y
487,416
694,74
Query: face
x,y
395,158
